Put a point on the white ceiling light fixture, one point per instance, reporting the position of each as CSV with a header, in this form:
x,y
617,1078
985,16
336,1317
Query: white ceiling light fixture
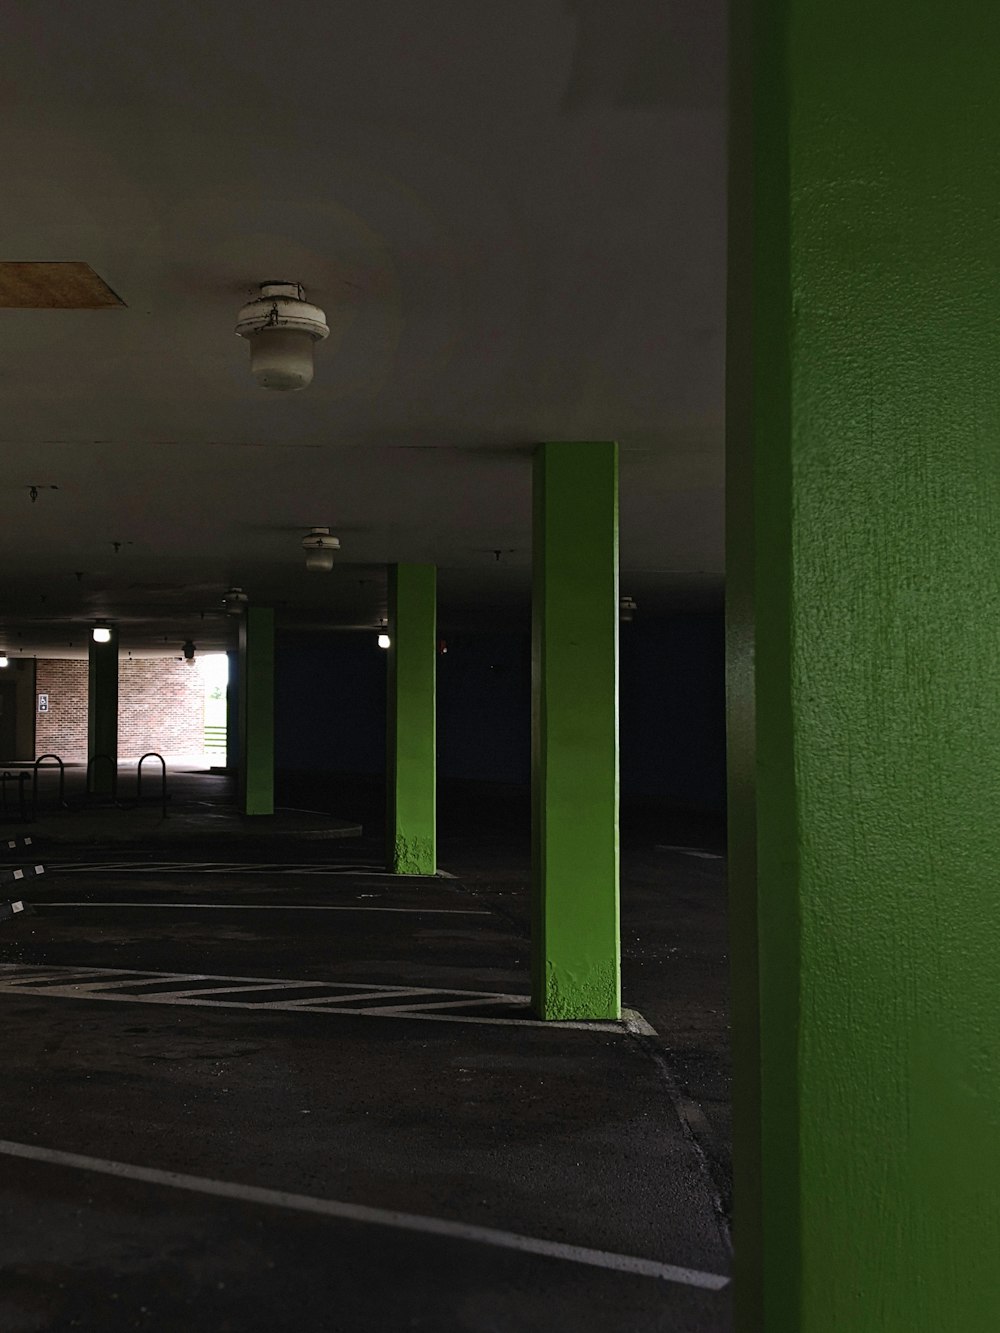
x,y
101,633
320,548
384,641
281,328
626,609
235,601
4,661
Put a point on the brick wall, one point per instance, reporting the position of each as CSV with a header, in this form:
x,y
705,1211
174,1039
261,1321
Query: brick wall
x,y
161,706
63,729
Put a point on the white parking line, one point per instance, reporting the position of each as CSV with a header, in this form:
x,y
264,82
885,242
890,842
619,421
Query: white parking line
x,y
279,907
113,984
362,1213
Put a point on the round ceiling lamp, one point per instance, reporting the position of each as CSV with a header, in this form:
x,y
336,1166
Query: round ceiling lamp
x,y
235,601
188,650
320,547
101,633
4,660
281,328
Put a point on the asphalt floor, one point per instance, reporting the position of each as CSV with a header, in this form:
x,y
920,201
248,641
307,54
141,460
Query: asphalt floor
x,y
255,1083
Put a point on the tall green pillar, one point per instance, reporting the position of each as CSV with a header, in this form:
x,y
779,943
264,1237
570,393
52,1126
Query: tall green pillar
x,y
864,639
102,715
576,964
411,768
256,709
233,711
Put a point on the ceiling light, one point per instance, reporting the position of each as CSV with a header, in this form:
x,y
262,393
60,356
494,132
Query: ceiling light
x,y
4,661
384,641
234,601
101,633
319,547
281,328
188,650
626,609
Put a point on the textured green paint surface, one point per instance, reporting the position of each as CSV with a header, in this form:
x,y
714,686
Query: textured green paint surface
x,y
576,970
864,590
256,708
102,713
411,772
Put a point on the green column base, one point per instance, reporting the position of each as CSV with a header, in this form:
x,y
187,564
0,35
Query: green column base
x,y
579,994
413,856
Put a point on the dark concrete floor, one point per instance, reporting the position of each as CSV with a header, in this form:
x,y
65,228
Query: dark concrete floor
x,y
595,1139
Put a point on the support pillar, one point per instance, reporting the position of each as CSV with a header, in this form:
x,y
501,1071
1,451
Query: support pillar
x,y
863,584
102,716
256,710
411,768
233,712
576,970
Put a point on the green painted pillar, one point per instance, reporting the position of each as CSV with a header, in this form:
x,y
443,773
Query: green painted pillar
x,y
576,953
102,715
233,711
864,639
411,769
256,708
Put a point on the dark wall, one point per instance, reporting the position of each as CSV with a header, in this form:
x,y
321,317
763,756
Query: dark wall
x,y
329,703
330,708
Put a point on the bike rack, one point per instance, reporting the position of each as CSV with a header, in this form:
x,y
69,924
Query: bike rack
x,y
151,754
34,782
114,773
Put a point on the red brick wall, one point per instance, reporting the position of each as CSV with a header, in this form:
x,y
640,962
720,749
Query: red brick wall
x,y
161,706
63,729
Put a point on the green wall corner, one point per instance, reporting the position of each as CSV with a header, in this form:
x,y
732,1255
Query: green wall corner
x,y
863,422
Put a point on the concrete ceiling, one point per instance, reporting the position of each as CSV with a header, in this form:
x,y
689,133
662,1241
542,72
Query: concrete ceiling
x,y
513,214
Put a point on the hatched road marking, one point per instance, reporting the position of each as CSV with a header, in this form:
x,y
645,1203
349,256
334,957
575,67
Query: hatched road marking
x,y
200,988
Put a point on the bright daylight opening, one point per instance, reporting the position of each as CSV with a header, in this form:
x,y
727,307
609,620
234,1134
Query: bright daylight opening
x,y
214,671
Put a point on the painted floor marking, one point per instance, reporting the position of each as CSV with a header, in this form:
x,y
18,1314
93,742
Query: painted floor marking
x,y
366,1215
228,868
280,907
690,851
115,983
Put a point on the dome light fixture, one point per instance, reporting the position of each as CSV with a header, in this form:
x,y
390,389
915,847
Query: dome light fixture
x,y
188,651
281,327
384,641
235,601
101,633
319,547
4,661
626,610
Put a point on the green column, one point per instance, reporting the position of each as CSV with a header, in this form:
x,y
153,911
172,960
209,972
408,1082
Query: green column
x,y
864,639
411,769
233,712
102,715
256,708
575,918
